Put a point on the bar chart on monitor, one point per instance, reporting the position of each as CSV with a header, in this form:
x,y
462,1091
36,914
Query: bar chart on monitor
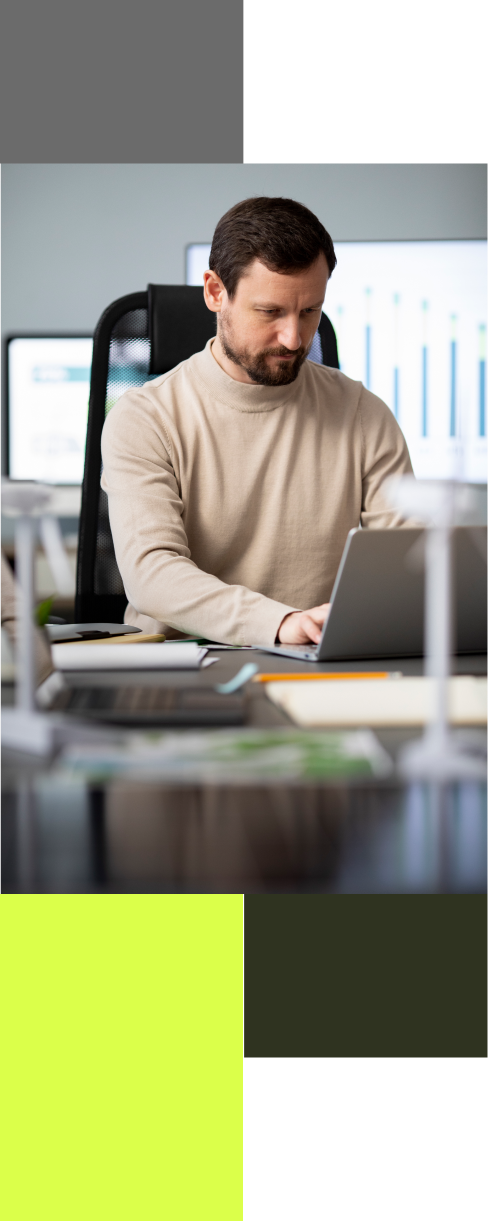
x,y
410,319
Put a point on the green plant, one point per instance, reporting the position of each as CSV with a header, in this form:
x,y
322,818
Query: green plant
x,y
43,611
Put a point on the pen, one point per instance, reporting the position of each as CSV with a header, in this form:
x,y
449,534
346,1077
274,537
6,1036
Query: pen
x,y
343,674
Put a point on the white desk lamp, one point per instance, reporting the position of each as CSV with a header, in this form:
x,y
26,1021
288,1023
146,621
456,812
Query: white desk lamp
x,y
24,727
439,755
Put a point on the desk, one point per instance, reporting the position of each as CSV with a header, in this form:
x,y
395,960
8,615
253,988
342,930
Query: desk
x,y
343,837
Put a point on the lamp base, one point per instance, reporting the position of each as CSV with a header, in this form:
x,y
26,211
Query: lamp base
x,y
38,733
445,757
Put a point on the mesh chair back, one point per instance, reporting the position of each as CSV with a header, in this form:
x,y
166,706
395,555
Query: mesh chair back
x,y
128,367
326,338
138,337
121,358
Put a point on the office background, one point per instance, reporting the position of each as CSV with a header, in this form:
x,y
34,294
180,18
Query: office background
x,y
75,237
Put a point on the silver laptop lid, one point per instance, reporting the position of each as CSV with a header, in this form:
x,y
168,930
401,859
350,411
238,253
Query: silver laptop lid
x,y
377,603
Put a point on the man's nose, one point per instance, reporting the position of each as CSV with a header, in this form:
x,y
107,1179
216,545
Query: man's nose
x,y
289,333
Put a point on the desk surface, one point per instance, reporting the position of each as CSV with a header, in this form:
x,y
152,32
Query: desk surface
x,y
65,835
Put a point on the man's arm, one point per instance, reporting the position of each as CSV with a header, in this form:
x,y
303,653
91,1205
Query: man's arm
x,y
147,521
384,453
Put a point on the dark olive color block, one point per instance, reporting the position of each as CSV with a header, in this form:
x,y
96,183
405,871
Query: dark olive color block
x,y
365,975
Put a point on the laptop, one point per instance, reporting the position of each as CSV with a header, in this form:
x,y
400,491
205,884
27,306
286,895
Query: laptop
x,y
377,603
142,705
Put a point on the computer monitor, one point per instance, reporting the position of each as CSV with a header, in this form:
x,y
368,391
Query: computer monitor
x,y
410,320
48,387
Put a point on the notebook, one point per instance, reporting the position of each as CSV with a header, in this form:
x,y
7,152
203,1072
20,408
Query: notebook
x,y
185,656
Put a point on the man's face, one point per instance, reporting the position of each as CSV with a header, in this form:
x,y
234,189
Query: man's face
x,y
266,331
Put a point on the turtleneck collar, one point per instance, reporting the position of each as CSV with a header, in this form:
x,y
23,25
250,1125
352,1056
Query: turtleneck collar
x,y
239,395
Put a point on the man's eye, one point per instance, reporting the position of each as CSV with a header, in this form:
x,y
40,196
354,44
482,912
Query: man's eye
x,y
312,309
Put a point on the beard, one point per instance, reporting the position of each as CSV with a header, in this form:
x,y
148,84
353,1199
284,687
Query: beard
x,y
254,363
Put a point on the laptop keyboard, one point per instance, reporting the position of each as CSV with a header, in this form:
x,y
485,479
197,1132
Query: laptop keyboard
x,y
158,705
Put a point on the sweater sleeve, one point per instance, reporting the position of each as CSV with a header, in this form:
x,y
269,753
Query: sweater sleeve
x,y
151,547
384,453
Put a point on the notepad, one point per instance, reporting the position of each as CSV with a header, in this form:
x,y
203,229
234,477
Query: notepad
x,y
107,656
406,702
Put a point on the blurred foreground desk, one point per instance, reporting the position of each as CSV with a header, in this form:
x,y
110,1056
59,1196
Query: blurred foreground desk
x,y
65,834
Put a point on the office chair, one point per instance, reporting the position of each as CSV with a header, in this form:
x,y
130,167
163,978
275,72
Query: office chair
x,y
138,337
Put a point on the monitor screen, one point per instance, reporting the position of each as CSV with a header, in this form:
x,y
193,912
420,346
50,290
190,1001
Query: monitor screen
x,y
48,392
410,320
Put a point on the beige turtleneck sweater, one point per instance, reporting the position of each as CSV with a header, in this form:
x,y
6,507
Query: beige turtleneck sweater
x,y
230,504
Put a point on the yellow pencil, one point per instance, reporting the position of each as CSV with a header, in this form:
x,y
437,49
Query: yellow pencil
x,y
343,674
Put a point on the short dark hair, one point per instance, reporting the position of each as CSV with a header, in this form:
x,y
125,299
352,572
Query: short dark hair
x,y
282,233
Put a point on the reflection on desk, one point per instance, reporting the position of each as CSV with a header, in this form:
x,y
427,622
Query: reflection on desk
x,y
347,836
127,836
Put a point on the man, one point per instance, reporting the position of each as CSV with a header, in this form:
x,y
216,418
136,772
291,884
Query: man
x,y
234,479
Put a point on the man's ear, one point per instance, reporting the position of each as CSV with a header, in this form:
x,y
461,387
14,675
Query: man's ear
x,y
213,291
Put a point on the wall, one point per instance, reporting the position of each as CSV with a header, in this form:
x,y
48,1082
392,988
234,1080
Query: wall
x,y
75,237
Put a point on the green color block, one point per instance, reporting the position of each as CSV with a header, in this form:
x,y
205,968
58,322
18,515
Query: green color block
x,y
122,1052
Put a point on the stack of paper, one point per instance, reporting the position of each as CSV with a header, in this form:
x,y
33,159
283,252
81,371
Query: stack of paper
x,y
407,701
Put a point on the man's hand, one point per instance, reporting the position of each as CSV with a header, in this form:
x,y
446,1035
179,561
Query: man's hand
x,y
301,627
